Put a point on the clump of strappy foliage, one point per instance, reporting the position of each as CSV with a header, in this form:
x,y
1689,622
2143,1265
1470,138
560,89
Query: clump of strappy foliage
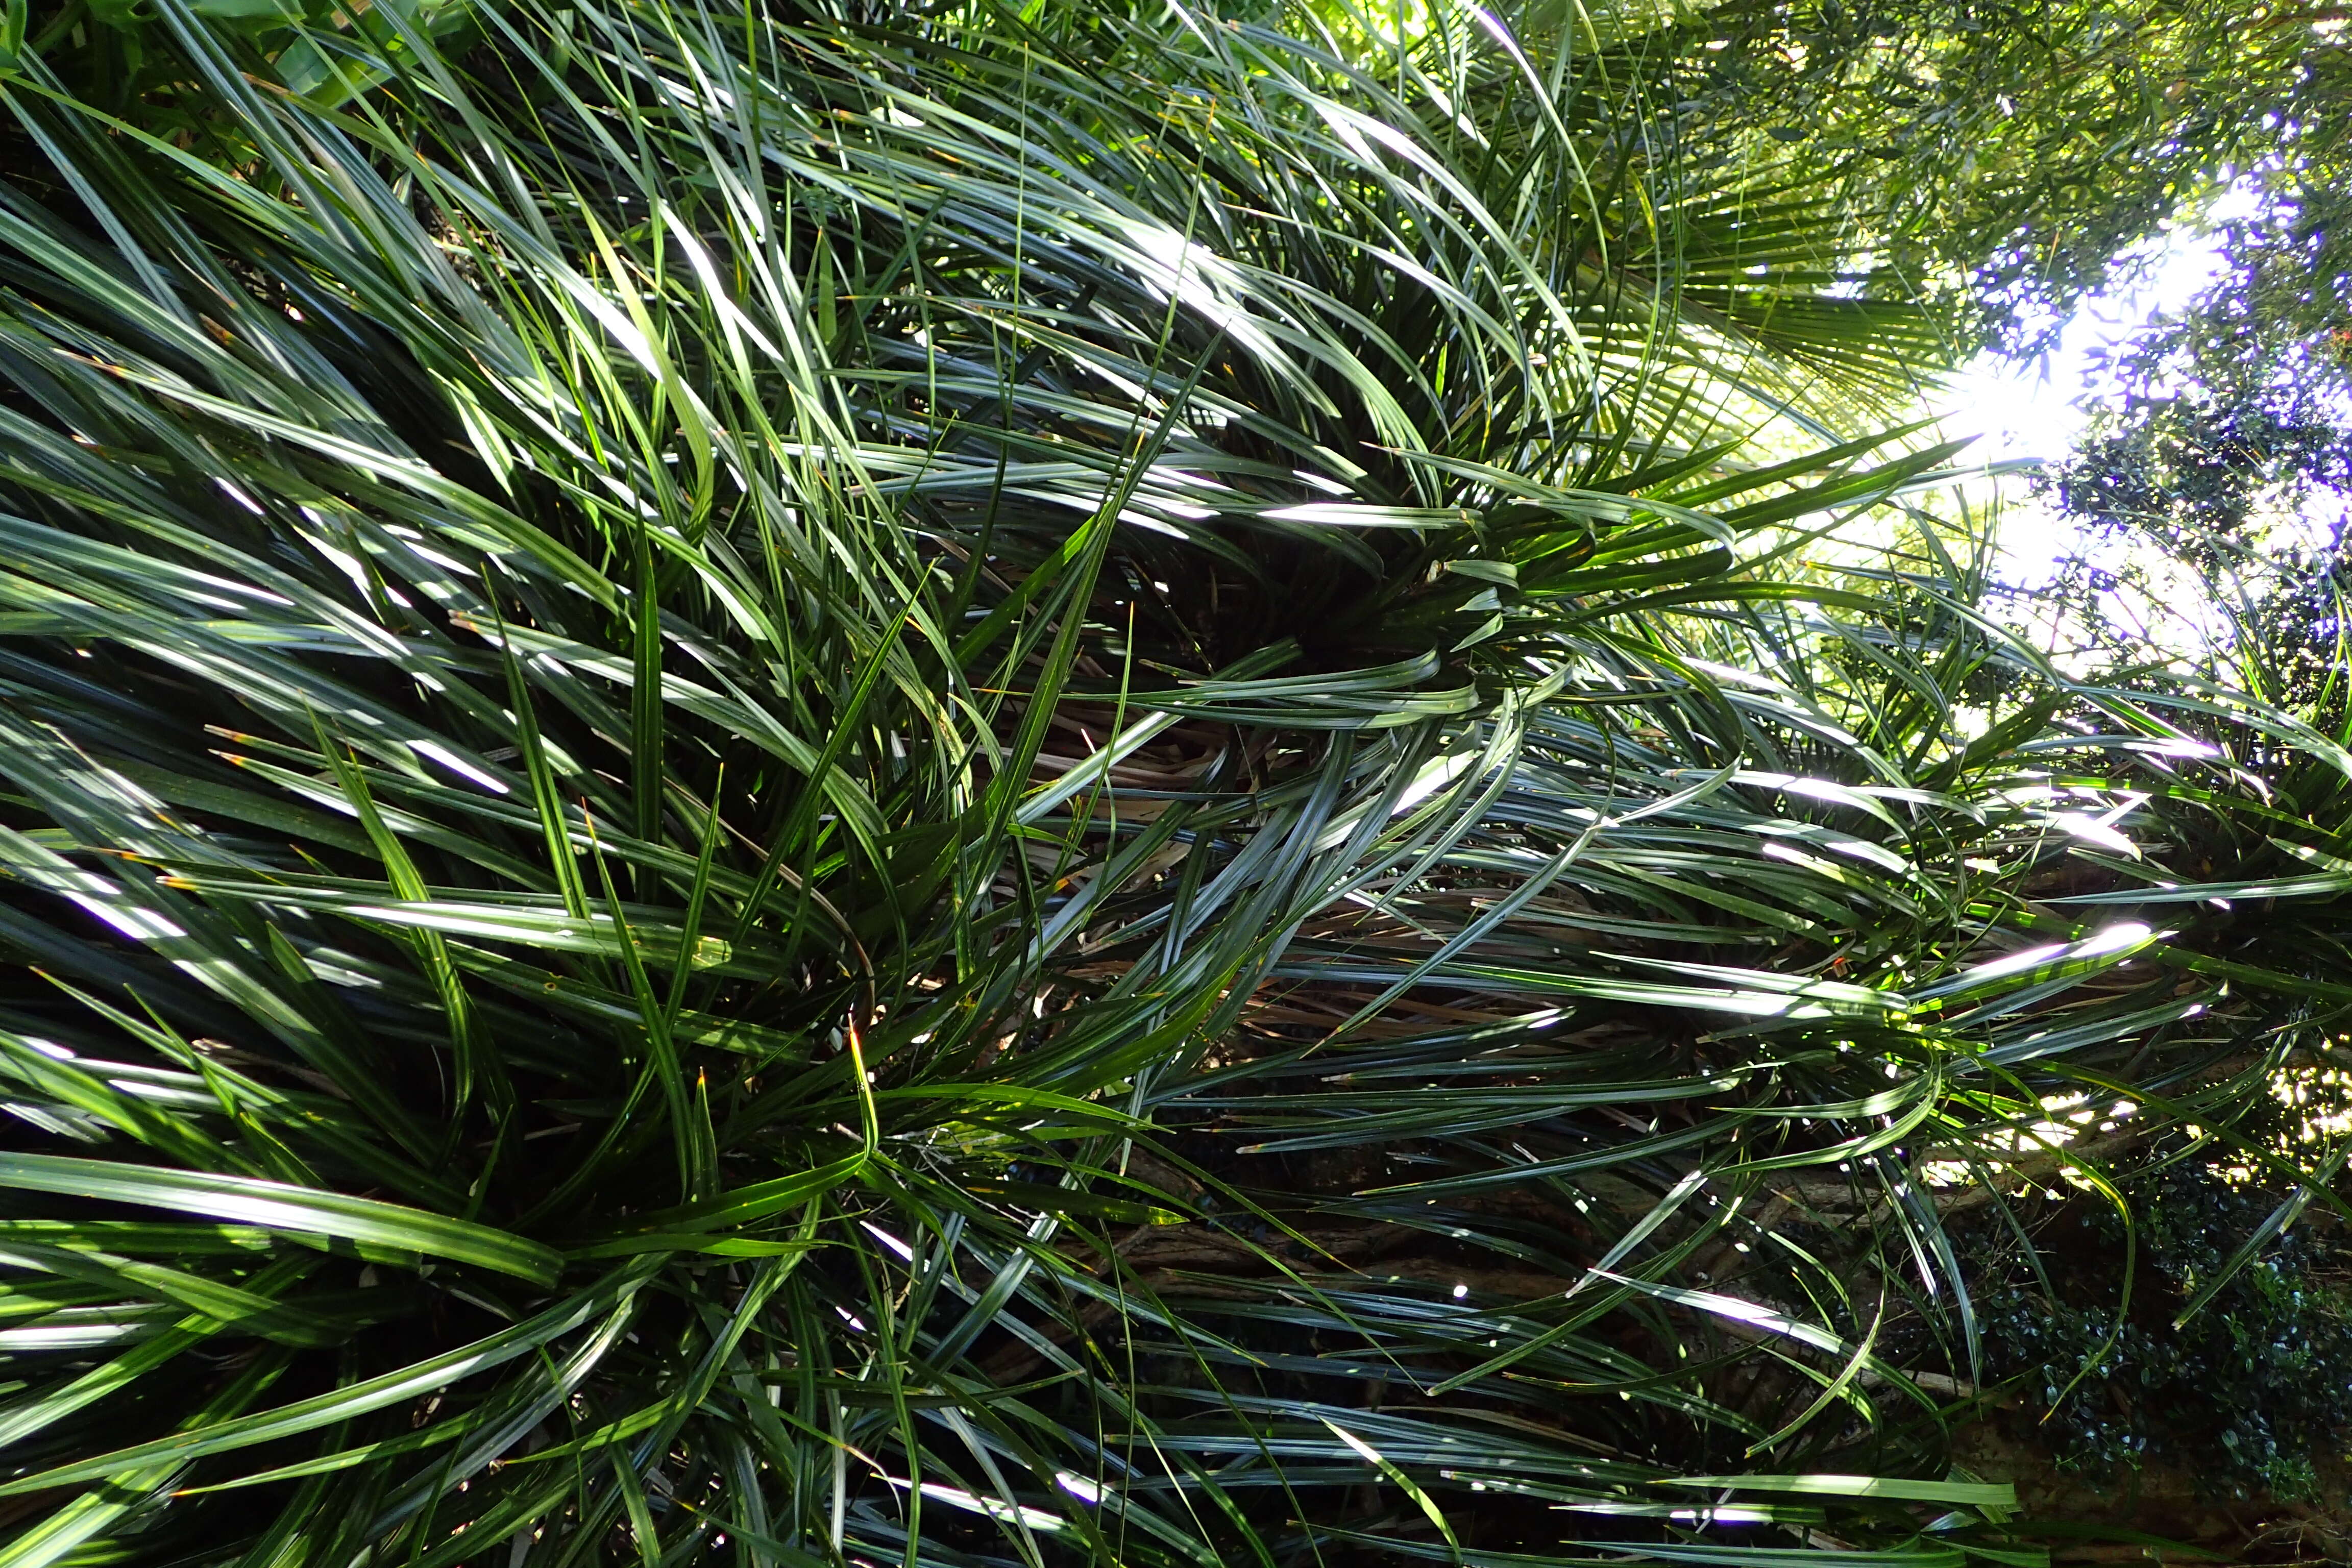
x,y
1041,785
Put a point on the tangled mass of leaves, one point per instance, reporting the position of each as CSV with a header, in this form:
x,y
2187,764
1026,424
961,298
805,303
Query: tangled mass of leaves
x,y
1035,784
2247,1393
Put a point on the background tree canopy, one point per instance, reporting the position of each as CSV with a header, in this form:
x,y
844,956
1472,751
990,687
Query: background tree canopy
x,y
2002,158
1076,783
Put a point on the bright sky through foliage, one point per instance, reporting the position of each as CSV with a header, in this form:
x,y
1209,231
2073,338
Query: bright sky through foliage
x,y
2033,408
